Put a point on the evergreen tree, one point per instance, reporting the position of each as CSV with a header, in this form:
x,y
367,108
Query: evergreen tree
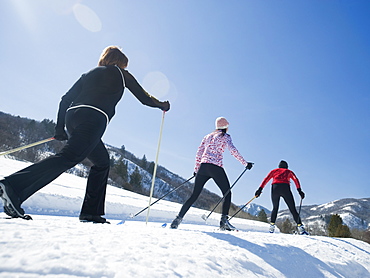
x,y
343,231
121,169
335,222
151,168
336,227
123,150
286,227
262,216
49,126
144,163
366,236
135,180
112,162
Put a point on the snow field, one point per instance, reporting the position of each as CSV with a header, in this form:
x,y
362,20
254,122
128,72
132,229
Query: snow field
x,y
56,244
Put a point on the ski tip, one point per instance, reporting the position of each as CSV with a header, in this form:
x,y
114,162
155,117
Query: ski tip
x,y
164,225
121,222
27,217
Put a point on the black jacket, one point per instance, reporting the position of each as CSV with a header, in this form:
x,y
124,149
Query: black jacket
x,y
102,87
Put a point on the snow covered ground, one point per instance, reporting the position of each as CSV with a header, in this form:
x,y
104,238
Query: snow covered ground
x,y
56,244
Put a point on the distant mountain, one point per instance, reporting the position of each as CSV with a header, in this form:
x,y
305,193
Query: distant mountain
x,y
354,213
254,209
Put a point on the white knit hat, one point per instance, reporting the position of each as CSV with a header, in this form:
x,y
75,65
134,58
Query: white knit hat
x,y
221,123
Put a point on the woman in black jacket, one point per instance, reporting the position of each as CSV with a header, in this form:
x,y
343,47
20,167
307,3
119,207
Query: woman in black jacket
x,y
85,110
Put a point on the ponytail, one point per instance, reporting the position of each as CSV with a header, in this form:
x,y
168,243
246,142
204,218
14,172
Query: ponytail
x,y
223,131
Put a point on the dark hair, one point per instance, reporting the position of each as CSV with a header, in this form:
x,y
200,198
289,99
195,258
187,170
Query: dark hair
x,y
223,131
283,164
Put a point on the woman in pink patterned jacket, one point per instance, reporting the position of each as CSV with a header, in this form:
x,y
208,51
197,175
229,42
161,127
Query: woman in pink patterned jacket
x,y
209,164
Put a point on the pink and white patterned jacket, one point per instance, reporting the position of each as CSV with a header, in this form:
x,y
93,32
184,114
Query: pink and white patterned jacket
x,y
212,147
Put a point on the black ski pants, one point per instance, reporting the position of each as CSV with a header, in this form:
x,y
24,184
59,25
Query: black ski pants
x,y
85,127
283,190
207,171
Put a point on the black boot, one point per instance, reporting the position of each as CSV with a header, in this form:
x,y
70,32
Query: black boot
x,y
84,217
9,212
225,224
12,204
176,222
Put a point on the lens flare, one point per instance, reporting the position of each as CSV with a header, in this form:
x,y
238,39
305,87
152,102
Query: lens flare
x,y
156,83
87,18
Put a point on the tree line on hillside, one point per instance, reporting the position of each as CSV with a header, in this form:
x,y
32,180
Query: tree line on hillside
x,y
17,131
334,227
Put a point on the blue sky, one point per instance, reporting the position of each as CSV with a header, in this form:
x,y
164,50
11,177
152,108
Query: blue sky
x,y
292,78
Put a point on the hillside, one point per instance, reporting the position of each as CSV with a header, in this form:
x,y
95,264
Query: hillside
x,y
127,171
354,213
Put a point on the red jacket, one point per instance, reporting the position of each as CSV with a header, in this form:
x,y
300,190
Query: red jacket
x,y
281,175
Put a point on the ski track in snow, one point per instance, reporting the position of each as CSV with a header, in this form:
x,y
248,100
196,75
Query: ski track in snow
x,y
56,244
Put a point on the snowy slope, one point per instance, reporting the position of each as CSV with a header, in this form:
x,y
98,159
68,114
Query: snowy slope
x,y
56,244
354,213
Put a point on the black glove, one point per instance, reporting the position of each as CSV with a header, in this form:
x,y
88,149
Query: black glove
x,y
165,105
194,174
301,193
60,134
258,192
249,165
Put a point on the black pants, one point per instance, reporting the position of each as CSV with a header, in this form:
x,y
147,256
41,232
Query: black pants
x,y
206,172
85,127
283,190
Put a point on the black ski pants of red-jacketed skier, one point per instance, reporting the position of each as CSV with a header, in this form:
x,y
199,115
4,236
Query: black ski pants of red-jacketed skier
x,y
283,190
85,127
207,171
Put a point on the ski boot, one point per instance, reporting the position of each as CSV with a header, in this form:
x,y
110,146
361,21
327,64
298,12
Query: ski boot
x,y
225,224
301,230
12,204
176,222
84,217
9,212
272,228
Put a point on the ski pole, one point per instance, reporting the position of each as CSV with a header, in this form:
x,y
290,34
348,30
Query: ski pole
x,y
227,192
27,146
299,211
250,201
155,167
174,189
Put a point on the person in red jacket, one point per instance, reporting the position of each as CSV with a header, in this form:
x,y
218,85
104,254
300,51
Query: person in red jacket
x,y
281,188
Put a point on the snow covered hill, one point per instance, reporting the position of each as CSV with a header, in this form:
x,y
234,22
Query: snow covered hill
x,y
254,209
354,213
56,244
